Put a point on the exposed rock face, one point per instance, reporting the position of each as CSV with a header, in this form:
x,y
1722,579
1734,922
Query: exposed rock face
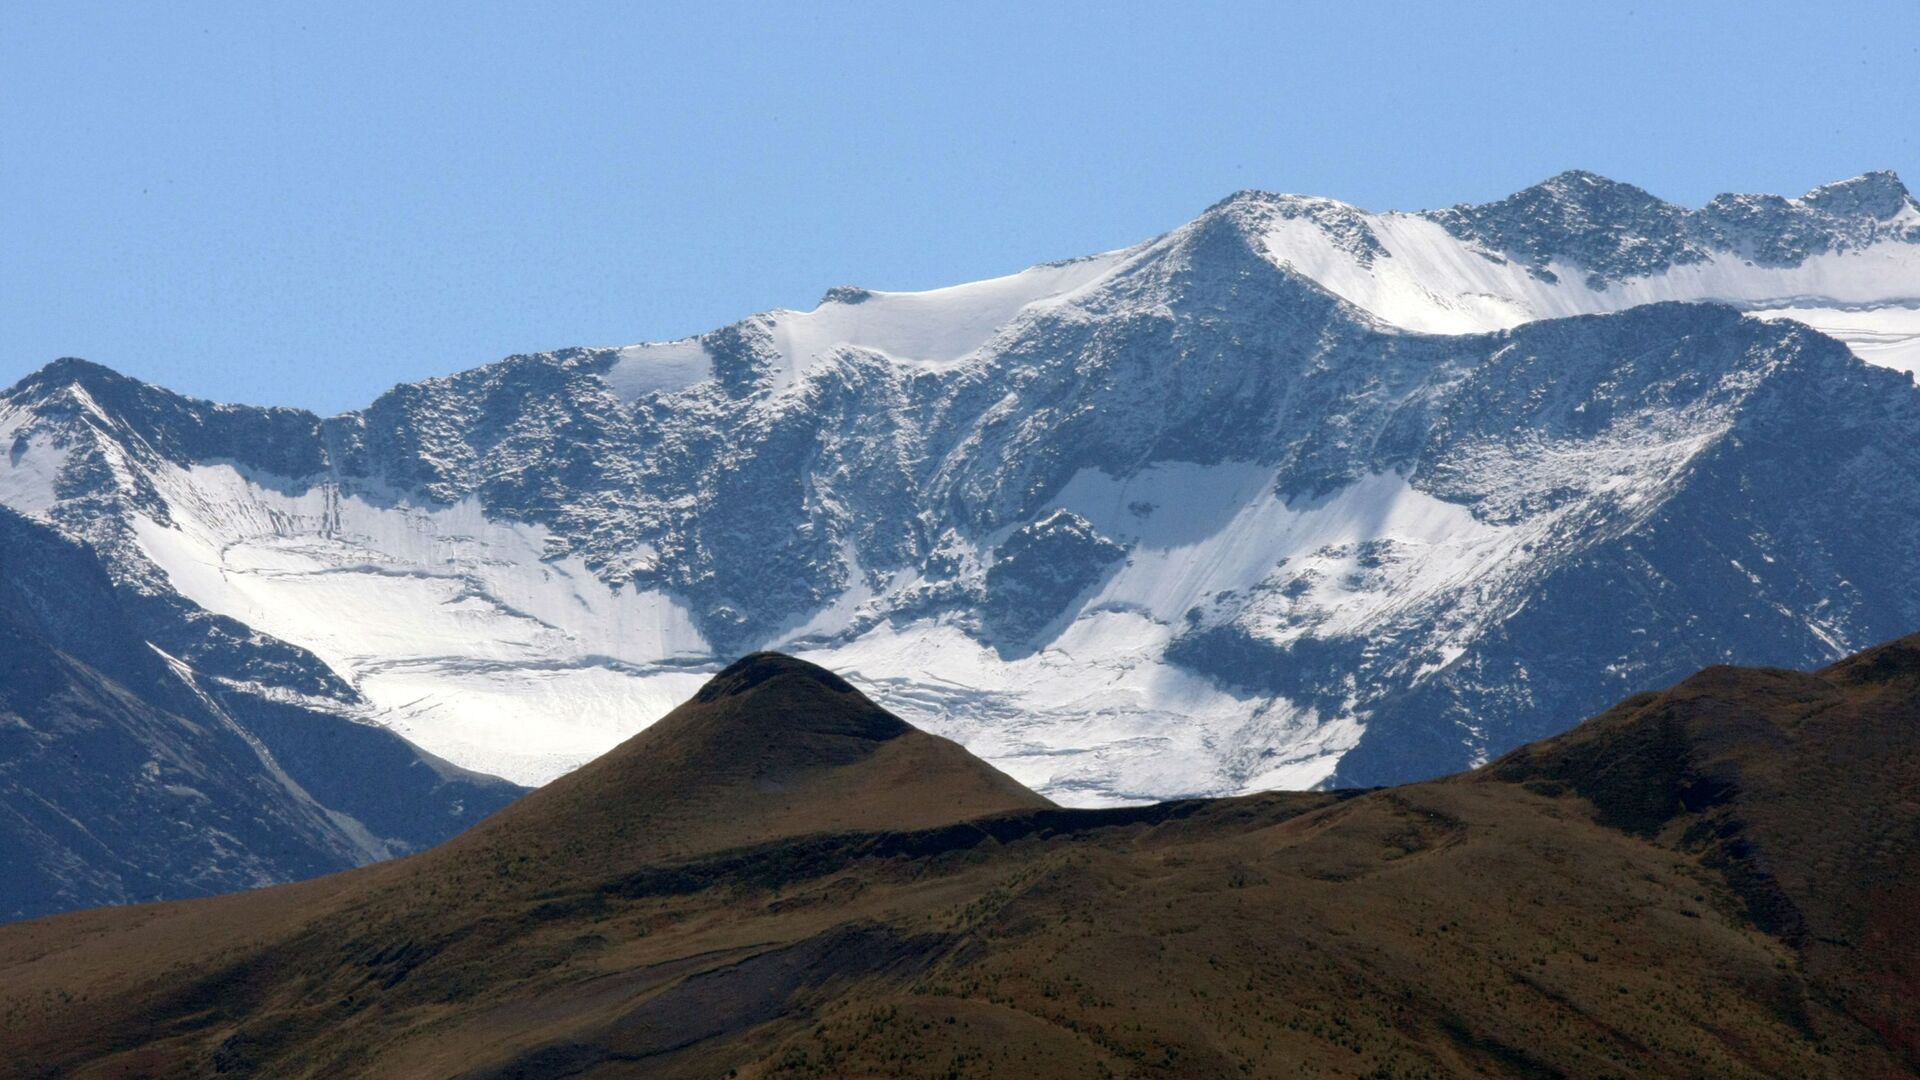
x,y
1038,573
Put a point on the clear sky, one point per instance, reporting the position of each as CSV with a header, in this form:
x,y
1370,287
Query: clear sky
x,y
305,204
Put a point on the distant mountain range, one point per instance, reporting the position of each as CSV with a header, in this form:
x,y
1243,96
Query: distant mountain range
x,y
781,879
1295,495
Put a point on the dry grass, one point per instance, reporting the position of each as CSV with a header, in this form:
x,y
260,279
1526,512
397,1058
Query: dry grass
x,y
783,881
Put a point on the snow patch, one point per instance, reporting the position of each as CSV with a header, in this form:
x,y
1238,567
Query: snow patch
x,y
1196,531
30,475
663,368
1887,337
1096,719
935,329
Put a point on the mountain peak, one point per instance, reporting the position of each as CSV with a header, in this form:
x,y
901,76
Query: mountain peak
x,y
1587,190
69,370
766,718
1254,200
772,697
1581,180
1610,229
1879,195
756,669
770,747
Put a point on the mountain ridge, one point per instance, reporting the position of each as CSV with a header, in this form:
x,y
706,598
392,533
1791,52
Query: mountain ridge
x,y
1666,909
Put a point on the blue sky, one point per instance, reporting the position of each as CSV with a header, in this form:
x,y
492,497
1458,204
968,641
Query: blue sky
x,y
305,204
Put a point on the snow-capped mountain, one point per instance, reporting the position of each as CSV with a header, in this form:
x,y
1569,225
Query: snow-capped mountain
x,y
1293,494
1844,258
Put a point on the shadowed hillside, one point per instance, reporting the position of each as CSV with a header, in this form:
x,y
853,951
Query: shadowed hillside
x,y
781,879
129,773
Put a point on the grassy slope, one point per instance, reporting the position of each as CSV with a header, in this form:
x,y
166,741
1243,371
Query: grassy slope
x,y
782,880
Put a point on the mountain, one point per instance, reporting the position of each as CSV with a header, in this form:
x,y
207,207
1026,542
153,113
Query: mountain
x,y
126,774
771,747
1294,495
1714,880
